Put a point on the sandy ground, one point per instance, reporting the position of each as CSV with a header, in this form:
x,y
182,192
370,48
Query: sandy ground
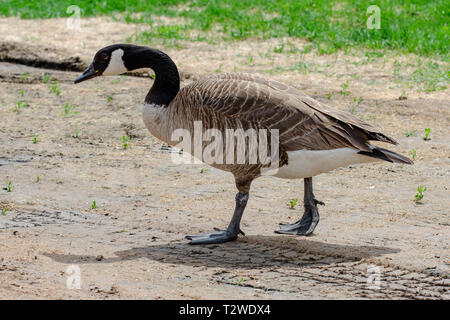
x,y
132,245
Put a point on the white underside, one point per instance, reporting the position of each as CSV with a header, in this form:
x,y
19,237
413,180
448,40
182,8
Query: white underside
x,y
307,163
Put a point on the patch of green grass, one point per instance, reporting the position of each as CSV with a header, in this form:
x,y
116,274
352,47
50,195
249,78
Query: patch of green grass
x,y
46,78
94,205
300,66
428,75
4,210
69,110
35,138
413,154
418,26
344,90
307,49
431,75
38,177
279,48
410,133
55,88
358,100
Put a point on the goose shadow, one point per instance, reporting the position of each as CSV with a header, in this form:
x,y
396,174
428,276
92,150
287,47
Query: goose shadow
x,y
249,252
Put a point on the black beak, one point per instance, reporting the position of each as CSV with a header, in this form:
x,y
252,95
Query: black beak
x,y
89,73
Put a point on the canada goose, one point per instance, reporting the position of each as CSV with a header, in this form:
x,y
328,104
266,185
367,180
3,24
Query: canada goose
x,y
312,137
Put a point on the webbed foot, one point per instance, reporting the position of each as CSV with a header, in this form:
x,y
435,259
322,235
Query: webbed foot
x,y
217,236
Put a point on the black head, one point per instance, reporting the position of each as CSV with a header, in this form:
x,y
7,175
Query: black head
x,y
108,61
120,58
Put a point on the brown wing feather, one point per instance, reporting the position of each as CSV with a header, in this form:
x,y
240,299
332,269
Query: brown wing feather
x,y
345,117
303,122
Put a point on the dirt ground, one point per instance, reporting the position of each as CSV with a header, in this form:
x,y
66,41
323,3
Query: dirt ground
x,y
132,245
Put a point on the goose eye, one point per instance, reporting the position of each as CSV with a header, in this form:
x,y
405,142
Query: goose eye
x,y
104,56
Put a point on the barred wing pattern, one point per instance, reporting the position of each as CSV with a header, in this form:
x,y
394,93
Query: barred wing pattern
x,y
303,122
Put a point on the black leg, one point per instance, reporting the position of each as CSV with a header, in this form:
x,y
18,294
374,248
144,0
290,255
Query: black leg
x,y
233,229
306,225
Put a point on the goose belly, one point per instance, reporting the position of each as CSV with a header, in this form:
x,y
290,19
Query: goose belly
x,y
308,163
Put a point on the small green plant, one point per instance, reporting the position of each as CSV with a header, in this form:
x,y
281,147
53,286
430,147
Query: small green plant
x,y
76,134
307,49
22,93
344,90
55,88
292,203
125,140
202,170
46,78
353,110
4,211
410,133
279,48
427,134
403,96
25,75
329,96
419,196
240,281
358,100
10,186
69,110
94,205
109,99
219,69
20,105
35,138
414,154
38,177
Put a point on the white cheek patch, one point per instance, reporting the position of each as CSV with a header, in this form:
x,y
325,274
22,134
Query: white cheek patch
x,y
116,65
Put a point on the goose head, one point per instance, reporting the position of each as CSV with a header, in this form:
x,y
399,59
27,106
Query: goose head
x,y
120,58
109,61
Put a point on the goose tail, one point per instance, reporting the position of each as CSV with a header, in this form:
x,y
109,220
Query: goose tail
x,y
386,155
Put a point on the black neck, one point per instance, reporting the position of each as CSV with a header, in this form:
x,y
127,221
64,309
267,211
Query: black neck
x,y
167,79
